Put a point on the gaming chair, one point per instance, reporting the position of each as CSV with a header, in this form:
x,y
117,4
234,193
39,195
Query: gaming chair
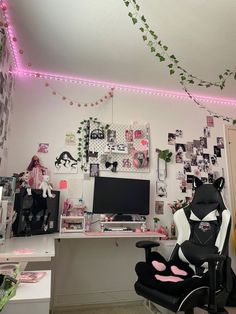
x,y
198,273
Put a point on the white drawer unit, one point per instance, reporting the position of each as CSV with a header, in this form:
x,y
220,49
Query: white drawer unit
x,y
72,223
31,297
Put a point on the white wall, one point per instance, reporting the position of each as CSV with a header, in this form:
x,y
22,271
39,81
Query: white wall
x,y
40,116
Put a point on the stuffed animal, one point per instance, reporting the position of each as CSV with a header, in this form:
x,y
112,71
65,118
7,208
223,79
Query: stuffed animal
x,y
46,187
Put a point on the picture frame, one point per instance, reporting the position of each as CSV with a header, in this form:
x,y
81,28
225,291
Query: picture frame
x,y
8,187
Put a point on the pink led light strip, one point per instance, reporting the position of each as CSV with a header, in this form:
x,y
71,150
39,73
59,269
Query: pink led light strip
x,y
19,70
124,87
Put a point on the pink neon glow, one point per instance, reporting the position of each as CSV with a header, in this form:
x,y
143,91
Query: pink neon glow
x,y
119,86
20,70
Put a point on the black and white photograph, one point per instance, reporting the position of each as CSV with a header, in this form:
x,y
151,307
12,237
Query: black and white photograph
x,y
203,142
180,148
111,136
94,170
161,189
217,151
210,178
189,147
206,132
171,138
179,158
8,187
206,157
213,159
179,133
220,142
204,179
187,166
193,159
196,143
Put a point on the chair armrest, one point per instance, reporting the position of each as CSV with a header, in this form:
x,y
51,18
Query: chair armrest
x,y
147,244
213,258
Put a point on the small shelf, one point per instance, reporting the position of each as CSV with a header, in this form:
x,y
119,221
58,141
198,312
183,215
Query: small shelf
x,y
72,224
122,226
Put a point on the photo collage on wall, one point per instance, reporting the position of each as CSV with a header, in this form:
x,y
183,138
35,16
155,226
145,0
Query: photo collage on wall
x,y
6,91
196,158
120,148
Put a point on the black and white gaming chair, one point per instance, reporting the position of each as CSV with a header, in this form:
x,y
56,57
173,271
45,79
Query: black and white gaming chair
x,y
202,247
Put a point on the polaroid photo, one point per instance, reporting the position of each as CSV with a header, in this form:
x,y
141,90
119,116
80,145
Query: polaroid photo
x,y
203,142
180,148
213,159
111,136
206,132
159,207
43,148
179,158
179,133
8,187
196,143
210,121
220,142
171,138
189,147
94,170
187,166
217,151
161,189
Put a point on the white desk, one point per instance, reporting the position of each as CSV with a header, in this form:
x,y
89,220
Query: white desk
x,y
43,248
28,249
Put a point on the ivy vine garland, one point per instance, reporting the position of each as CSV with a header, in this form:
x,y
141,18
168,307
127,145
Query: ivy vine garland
x,y
160,50
83,139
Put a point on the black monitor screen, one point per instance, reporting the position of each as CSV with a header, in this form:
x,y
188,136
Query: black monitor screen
x,y
121,196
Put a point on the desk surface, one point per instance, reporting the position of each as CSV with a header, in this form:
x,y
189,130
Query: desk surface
x,y
27,249
42,247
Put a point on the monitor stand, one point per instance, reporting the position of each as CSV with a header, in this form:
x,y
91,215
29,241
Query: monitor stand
x,y
121,217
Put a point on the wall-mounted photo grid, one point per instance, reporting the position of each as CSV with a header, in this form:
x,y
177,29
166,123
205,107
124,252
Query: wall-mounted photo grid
x,y
195,158
121,148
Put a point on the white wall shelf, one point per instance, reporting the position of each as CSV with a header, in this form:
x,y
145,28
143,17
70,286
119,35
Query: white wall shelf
x,y
72,224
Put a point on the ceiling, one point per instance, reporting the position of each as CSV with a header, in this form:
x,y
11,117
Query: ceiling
x,y
96,39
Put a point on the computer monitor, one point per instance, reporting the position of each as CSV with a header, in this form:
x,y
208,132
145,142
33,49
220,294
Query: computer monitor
x,y
121,196
35,214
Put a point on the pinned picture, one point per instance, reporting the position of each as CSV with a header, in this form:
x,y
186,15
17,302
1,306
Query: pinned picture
x,y
111,136
203,142
8,187
161,189
171,138
70,138
189,178
179,158
217,151
206,157
183,186
210,121
65,163
206,132
213,159
180,175
129,136
94,170
179,133
187,166
189,147
43,148
193,159
220,142
180,148
204,179
159,207
210,178
196,143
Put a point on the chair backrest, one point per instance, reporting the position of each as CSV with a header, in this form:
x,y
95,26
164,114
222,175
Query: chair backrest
x,y
203,226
